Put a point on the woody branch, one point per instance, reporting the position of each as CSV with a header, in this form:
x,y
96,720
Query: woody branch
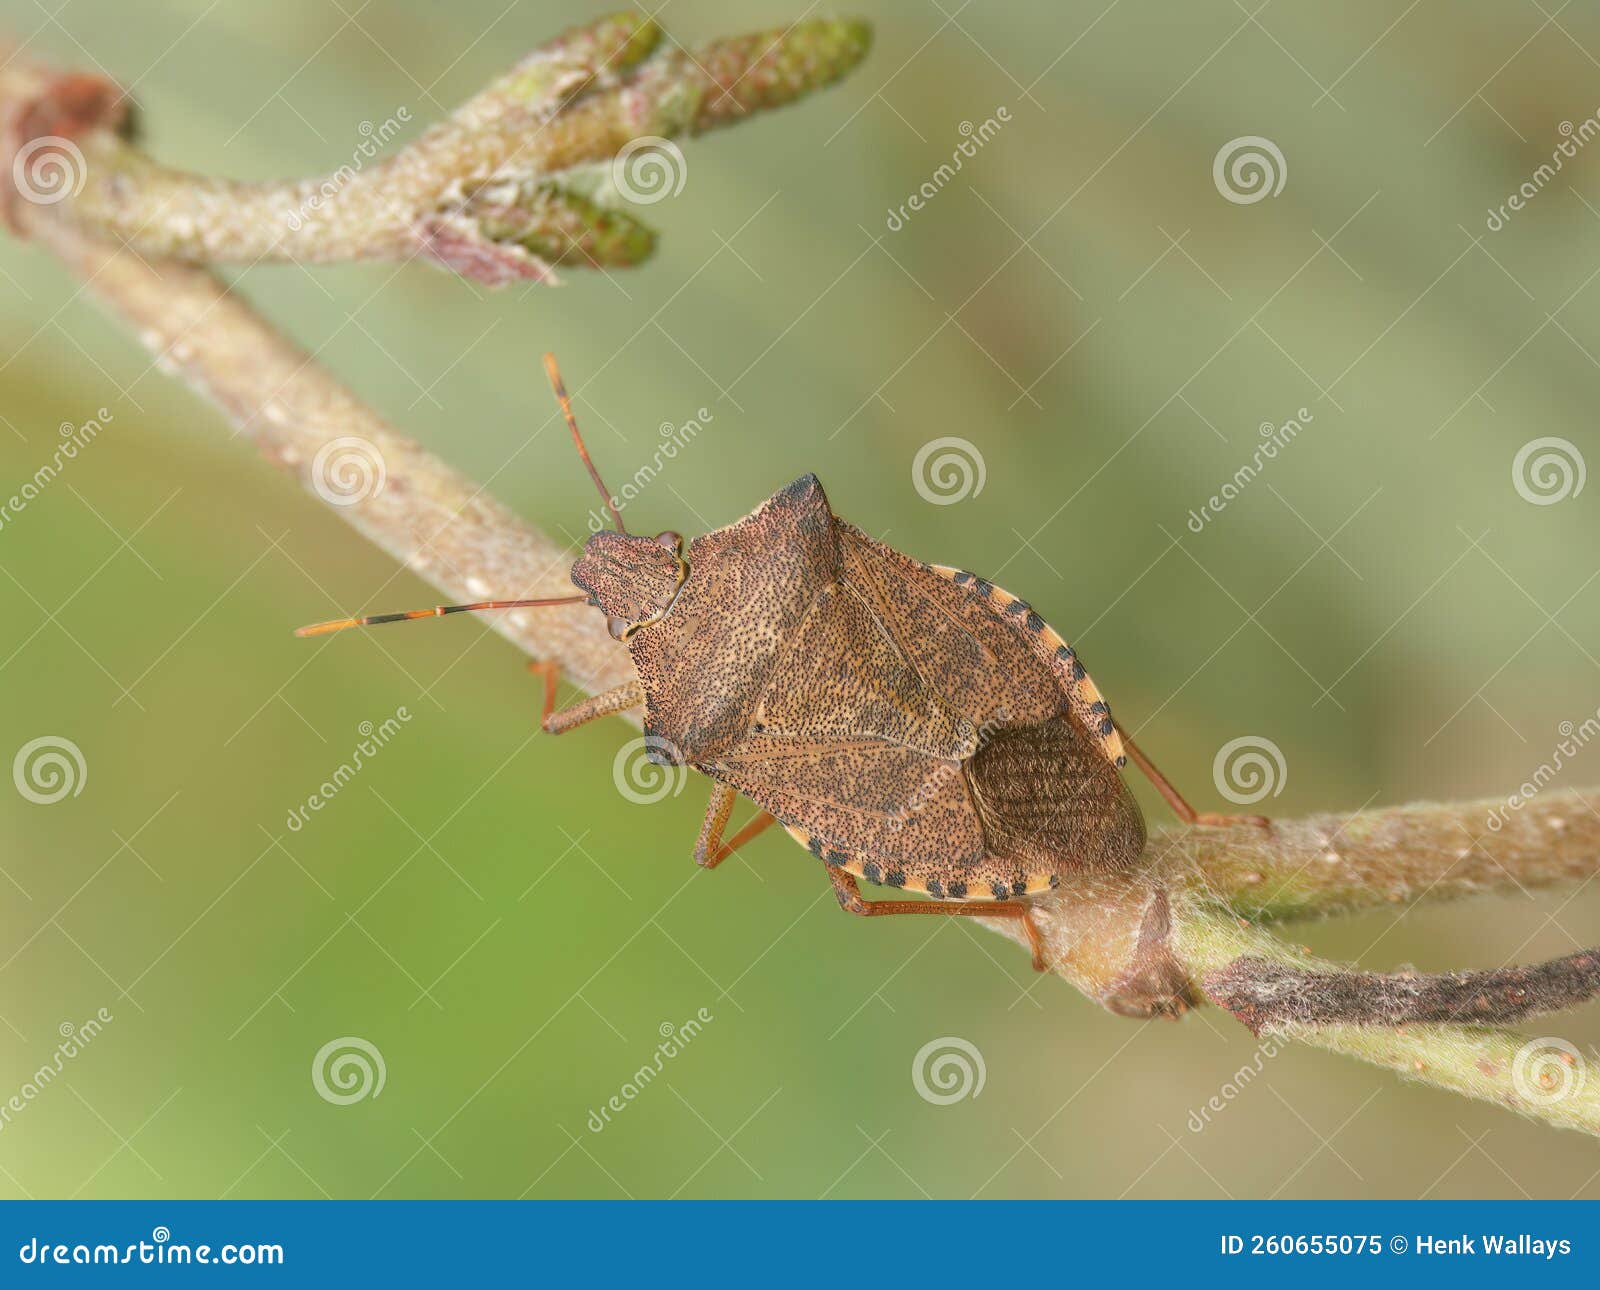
x,y
1189,923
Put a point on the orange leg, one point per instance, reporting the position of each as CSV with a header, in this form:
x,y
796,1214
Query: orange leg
x,y
604,704
1175,800
852,902
710,850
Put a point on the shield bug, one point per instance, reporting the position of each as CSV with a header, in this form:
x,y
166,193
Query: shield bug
x,y
909,724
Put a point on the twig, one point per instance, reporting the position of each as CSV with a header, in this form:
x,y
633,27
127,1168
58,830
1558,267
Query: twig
x,y
1334,864
1267,995
1545,1078
478,192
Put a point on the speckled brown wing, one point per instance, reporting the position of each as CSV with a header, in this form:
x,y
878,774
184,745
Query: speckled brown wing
x,y
956,644
1036,802
908,814
984,650
1043,790
843,677
903,721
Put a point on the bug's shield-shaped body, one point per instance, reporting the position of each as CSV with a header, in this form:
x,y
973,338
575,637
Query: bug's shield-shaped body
x,y
914,725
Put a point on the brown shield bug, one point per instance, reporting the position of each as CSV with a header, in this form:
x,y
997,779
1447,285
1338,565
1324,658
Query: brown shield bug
x,y
907,723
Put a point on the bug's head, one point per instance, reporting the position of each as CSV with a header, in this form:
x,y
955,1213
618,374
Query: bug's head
x,y
632,580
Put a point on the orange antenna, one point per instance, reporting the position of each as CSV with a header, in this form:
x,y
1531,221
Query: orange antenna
x,y
438,611
572,424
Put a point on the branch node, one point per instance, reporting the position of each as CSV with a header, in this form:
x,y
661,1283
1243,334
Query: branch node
x,y
37,125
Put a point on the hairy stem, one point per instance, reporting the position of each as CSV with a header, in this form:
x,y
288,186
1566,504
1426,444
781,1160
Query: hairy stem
x,y
1397,855
1267,995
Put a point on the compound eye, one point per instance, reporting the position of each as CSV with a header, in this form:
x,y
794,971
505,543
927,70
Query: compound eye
x,y
672,541
618,627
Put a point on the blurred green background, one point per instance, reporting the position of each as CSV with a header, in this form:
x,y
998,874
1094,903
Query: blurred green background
x,y
1084,307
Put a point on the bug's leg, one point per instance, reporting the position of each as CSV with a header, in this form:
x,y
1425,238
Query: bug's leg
x,y
852,902
718,809
710,850
604,704
1175,799
552,676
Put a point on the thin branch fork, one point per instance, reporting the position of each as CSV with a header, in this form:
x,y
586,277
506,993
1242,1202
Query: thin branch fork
x,y
1399,857
495,192
1193,924
1190,922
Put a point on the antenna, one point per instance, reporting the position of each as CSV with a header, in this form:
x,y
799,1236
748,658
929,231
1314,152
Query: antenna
x,y
438,611
572,424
